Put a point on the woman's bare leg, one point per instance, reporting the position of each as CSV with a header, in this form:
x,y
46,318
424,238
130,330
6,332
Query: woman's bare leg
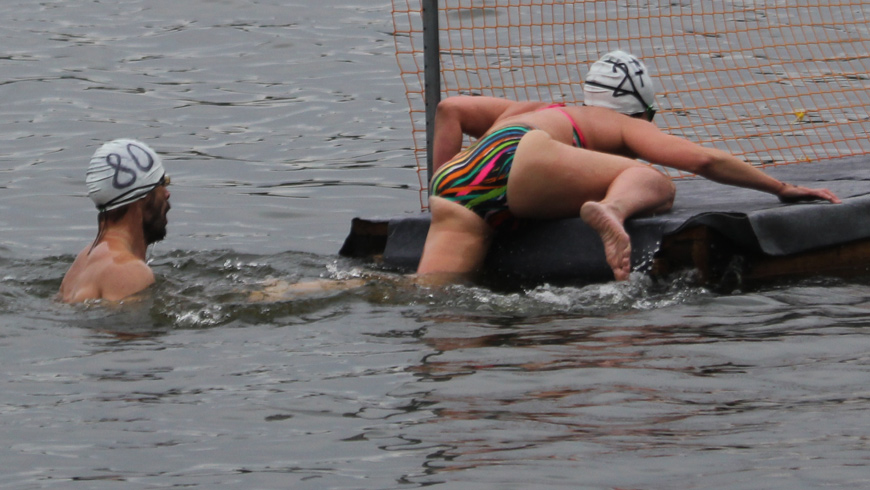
x,y
635,191
456,245
552,180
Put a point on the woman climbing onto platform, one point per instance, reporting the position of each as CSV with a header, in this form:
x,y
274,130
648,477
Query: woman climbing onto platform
x,y
534,160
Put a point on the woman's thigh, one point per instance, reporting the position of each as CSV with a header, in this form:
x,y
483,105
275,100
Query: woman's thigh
x,y
457,242
549,179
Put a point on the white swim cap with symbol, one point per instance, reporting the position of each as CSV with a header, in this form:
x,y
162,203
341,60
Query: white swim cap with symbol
x,y
122,171
621,82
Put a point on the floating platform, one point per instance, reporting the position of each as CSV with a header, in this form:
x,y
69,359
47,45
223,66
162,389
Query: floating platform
x,y
730,236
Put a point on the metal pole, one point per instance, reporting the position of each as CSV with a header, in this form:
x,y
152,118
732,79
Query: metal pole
x,y
431,76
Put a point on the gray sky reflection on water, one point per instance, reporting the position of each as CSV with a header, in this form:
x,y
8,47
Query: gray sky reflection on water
x,y
278,123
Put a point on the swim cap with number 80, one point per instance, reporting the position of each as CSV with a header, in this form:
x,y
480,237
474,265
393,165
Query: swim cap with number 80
x,y
122,171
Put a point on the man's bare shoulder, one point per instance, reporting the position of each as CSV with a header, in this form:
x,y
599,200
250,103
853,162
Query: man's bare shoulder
x,y
124,276
104,273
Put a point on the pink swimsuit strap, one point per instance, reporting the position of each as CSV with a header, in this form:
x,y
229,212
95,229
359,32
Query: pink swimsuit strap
x,y
579,140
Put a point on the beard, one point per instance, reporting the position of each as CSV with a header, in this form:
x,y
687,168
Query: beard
x,y
154,223
154,231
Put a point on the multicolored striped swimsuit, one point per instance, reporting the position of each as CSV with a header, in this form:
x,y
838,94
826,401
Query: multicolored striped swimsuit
x,y
477,177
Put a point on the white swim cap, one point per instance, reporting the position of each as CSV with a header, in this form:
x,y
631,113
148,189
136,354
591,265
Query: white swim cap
x,y
621,82
122,171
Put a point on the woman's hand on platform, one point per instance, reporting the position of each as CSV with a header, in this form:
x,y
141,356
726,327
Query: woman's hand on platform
x,y
795,193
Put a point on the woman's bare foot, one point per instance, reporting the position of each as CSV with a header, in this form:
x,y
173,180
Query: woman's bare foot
x,y
617,245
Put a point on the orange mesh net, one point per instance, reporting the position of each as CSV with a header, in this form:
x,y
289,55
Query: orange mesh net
x,y
770,82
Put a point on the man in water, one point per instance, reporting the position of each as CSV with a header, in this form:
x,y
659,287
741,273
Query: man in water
x,y
127,183
534,160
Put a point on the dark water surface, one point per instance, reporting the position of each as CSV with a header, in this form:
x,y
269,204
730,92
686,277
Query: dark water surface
x,y
280,122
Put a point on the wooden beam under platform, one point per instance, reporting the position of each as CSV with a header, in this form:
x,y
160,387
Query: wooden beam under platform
x,y
719,263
